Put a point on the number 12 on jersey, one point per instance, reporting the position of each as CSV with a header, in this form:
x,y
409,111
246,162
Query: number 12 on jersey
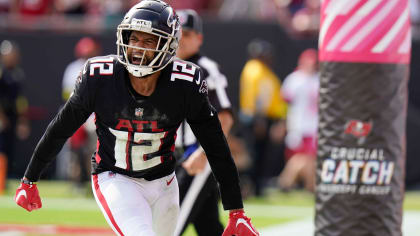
x,y
131,149
185,73
100,64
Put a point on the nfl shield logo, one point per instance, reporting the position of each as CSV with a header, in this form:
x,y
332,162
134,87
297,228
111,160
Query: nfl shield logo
x,y
138,112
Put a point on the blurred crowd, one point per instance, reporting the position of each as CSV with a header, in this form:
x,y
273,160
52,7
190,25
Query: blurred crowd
x,y
14,123
280,112
296,16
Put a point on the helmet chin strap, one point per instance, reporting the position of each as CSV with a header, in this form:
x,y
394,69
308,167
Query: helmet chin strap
x,y
139,72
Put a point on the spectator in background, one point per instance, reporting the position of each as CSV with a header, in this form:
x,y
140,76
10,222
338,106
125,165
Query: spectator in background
x,y
73,7
300,89
33,7
13,107
254,9
292,5
7,6
298,17
261,105
113,11
415,11
85,48
197,5
199,193
305,21
82,143
415,18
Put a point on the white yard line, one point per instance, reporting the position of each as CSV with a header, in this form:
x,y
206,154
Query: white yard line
x,y
302,225
12,233
305,227
279,211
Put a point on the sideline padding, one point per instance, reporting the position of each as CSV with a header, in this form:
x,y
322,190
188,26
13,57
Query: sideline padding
x,y
364,51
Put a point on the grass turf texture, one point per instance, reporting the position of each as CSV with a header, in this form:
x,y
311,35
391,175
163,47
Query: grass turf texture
x,y
61,206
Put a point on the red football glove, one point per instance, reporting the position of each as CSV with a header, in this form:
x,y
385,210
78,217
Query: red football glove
x,y
27,196
239,225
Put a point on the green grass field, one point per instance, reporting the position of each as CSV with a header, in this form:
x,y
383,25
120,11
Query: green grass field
x,y
61,206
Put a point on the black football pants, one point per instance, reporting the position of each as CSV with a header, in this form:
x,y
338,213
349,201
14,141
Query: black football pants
x,y
204,214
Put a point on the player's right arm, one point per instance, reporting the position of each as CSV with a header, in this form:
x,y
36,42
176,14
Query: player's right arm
x,y
74,113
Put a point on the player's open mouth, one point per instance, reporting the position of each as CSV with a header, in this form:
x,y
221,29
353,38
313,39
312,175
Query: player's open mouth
x,y
136,59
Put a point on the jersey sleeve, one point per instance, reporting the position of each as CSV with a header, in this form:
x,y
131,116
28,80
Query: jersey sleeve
x,y
73,114
205,124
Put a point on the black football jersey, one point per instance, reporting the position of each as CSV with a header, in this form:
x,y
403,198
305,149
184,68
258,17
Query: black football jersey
x,y
136,134
219,99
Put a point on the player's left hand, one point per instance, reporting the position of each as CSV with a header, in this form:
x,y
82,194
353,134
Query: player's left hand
x,y
196,163
27,196
239,225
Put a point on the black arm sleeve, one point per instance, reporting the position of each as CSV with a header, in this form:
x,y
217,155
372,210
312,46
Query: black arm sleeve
x,y
74,113
205,124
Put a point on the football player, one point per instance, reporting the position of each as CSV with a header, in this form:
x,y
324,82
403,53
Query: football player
x,y
140,97
199,193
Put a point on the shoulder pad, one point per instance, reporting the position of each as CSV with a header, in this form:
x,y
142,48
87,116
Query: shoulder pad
x,y
103,66
184,70
190,74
